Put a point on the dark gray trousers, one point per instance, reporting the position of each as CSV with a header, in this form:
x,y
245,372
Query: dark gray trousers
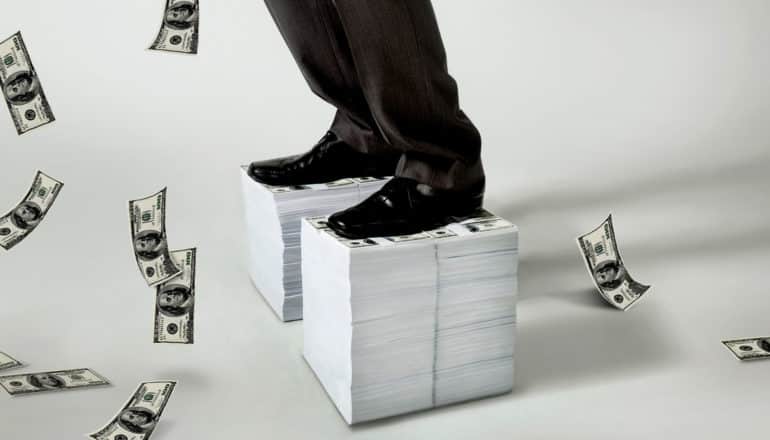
x,y
382,64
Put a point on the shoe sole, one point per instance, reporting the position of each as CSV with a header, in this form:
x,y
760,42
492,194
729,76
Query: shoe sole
x,y
470,210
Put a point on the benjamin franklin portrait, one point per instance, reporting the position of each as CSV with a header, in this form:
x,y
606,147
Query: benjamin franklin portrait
x,y
27,215
45,381
181,15
174,300
137,420
149,245
21,88
609,274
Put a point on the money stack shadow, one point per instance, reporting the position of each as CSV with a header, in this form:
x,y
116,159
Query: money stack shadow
x,y
576,349
715,208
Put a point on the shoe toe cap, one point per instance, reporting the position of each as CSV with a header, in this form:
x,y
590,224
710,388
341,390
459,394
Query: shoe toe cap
x,y
265,170
338,220
344,223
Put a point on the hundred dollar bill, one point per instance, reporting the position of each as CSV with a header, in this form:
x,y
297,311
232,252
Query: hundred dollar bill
x,y
21,86
179,31
51,381
749,349
175,303
609,273
7,362
148,233
17,224
140,414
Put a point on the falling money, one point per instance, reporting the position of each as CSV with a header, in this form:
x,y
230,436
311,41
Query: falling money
x,y
21,86
749,349
17,224
179,31
7,362
140,415
175,302
51,381
148,233
607,269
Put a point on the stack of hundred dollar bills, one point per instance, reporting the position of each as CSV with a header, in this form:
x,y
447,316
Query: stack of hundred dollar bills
x,y
400,324
273,215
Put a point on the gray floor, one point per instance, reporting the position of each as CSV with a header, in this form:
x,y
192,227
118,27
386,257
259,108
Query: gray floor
x,y
654,111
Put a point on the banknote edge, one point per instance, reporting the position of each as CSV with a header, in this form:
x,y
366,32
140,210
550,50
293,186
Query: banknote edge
x,y
16,363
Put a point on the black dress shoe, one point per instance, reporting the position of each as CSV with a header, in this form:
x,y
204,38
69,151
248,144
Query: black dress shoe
x,y
404,207
330,159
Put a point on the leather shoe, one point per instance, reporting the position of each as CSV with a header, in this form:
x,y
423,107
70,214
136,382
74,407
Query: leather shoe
x,y
330,159
403,207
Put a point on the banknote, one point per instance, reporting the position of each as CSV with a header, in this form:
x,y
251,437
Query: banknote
x,y
140,415
7,362
609,273
17,224
319,222
442,232
179,31
175,302
369,179
487,224
749,349
51,381
285,189
410,237
148,233
21,86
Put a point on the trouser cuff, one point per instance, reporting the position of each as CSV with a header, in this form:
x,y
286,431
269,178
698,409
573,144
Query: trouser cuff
x,y
440,173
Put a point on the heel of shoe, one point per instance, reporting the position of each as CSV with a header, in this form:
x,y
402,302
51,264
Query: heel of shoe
x,y
469,208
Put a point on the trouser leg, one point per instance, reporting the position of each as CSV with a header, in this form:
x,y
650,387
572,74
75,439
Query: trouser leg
x,y
401,67
317,41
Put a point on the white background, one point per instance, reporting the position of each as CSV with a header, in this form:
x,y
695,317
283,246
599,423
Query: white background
x,y
656,111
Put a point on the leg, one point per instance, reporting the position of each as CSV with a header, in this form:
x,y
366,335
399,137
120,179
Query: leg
x,y
401,66
314,34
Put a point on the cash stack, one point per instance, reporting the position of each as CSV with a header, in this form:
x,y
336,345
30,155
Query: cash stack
x,y
400,324
273,215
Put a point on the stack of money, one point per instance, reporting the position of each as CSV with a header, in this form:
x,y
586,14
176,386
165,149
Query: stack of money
x,y
399,324
273,215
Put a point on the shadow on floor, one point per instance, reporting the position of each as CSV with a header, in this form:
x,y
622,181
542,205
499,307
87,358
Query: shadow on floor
x,y
639,186
723,207
578,349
